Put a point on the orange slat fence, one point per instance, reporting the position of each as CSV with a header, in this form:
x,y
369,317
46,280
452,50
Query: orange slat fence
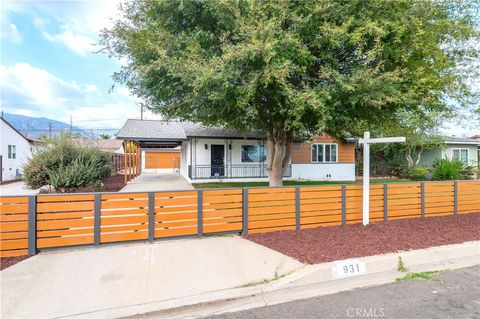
x,y
13,226
86,219
64,220
271,209
222,210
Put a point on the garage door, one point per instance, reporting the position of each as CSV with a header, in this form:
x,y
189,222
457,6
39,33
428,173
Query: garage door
x,y
162,159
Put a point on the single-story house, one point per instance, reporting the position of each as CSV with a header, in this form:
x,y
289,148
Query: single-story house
x,y
16,148
465,150
105,145
202,153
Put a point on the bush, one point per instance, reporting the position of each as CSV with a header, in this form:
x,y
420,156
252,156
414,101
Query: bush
x,y
444,170
418,173
66,167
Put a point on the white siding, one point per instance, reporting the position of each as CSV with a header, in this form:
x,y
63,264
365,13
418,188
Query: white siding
x,y
324,172
12,167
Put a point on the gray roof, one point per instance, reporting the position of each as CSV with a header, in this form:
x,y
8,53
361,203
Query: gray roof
x,y
461,140
177,131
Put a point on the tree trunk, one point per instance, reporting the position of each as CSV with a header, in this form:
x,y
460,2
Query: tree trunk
x,y
279,146
408,156
419,155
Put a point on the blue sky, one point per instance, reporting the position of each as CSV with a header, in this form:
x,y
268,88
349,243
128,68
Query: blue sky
x,y
49,69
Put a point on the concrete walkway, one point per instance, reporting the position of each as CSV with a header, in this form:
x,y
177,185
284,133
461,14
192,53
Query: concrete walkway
x,y
110,281
16,188
149,181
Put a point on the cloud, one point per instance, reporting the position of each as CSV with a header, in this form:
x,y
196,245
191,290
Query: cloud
x,y
78,43
10,31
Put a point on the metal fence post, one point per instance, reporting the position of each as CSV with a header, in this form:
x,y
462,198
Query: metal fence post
x,y
297,207
244,211
422,199
385,202
455,197
344,204
32,225
200,212
151,216
96,219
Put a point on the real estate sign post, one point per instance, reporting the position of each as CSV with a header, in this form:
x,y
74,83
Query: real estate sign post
x,y
366,141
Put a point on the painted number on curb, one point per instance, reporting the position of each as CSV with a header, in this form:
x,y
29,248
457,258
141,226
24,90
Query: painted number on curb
x,y
348,268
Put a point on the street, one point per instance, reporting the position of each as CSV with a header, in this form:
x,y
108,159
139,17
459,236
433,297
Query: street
x,y
456,296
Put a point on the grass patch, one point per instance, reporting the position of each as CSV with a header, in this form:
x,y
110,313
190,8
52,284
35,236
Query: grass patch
x,y
289,183
401,266
425,275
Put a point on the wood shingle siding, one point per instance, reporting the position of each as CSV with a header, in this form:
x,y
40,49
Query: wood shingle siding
x,y
301,153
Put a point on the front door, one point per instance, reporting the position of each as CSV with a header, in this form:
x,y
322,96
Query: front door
x,y
217,160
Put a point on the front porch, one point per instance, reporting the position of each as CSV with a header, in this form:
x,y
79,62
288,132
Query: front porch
x,y
231,171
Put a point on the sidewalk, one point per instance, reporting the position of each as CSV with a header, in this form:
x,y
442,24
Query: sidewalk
x,y
116,280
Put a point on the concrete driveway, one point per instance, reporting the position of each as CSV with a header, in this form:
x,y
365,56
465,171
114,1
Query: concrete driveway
x,y
149,181
16,188
118,280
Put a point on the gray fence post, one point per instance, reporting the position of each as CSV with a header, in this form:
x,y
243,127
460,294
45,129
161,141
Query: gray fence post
x,y
344,204
297,207
455,197
32,225
385,202
151,216
244,211
96,219
200,212
422,198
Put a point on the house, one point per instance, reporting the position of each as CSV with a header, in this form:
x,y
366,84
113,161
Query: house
x,y
15,150
105,145
465,150
202,153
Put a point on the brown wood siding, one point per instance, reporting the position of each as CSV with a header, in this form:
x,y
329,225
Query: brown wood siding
x,y
301,153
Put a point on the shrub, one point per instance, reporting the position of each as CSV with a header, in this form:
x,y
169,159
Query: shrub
x,y
66,167
418,173
444,170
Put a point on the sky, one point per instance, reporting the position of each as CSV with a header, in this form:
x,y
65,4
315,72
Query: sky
x,y
49,66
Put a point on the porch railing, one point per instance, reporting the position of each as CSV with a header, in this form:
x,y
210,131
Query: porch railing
x,y
231,171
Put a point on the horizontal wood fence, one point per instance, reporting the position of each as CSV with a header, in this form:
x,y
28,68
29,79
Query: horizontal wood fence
x,y
29,223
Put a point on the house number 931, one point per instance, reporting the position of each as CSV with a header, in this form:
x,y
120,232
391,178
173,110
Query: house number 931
x,y
348,268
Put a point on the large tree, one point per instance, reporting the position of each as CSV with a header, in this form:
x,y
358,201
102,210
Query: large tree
x,y
292,67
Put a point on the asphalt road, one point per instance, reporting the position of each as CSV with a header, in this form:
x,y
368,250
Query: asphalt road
x,y
456,296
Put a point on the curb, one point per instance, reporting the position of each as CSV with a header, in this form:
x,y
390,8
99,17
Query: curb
x,y
309,281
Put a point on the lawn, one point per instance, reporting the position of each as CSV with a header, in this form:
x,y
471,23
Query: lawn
x,y
289,183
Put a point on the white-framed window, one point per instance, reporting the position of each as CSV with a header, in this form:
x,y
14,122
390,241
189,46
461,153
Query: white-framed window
x,y
324,153
253,153
460,154
12,151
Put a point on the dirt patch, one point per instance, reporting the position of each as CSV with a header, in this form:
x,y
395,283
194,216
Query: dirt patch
x,y
6,262
111,184
341,242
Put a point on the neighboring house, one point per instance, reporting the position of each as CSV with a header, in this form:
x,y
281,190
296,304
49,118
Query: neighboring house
x,y
105,145
202,153
15,150
462,149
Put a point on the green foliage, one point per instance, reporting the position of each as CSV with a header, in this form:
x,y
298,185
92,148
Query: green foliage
x,y
401,266
418,173
445,169
105,136
425,275
294,67
66,167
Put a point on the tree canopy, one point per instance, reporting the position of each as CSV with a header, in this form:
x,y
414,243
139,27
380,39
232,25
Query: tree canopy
x,y
293,67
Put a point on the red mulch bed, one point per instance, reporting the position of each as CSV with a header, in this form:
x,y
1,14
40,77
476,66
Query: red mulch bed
x,y
111,184
341,242
6,262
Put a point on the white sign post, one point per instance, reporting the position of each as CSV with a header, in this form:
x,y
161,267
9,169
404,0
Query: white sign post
x,y
366,141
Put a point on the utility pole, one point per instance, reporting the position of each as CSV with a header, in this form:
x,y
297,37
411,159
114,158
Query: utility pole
x,y
49,129
141,111
71,125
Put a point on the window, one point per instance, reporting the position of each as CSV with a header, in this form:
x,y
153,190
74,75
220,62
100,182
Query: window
x,y
460,154
253,153
324,153
12,152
